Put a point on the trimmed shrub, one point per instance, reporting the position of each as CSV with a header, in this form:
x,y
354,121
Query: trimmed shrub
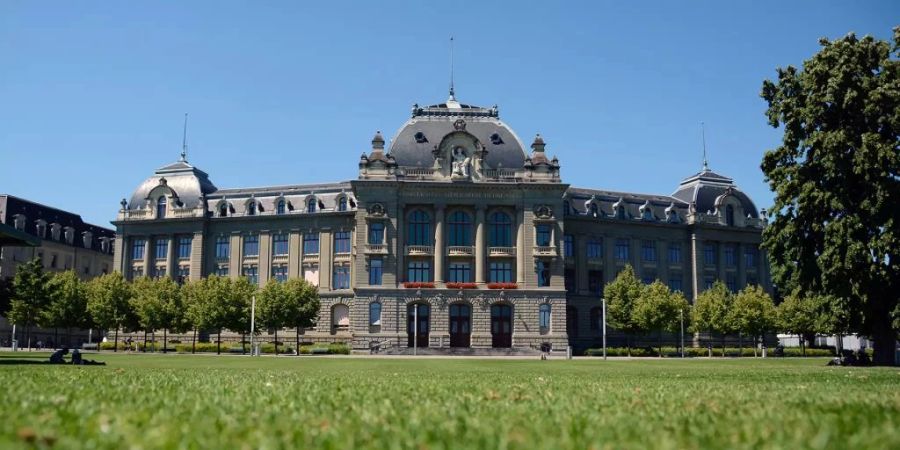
x,y
674,352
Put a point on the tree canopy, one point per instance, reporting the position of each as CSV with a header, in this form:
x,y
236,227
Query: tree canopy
x,y
30,294
836,177
68,302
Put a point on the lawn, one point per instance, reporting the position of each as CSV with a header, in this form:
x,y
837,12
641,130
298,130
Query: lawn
x,y
172,401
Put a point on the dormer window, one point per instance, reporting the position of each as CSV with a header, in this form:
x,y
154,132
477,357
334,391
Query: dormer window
x,y
594,210
647,214
251,208
280,207
342,204
420,137
729,215
161,207
620,212
496,139
311,205
223,210
42,229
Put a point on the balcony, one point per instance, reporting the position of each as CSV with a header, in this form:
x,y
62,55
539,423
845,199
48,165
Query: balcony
x,y
419,250
460,250
501,251
310,257
376,249
545,250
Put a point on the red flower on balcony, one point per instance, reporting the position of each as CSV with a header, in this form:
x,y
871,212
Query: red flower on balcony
x,y
502,286
455,285
418,285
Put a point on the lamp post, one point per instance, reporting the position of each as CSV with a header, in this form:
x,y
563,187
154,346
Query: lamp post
x,y
681,315
253,323
415,329
604,328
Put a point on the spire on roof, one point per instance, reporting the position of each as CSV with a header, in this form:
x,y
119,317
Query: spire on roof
x,y
452,94
184,141
703,138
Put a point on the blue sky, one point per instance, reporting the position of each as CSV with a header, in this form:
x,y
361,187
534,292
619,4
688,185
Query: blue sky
x,y
92,94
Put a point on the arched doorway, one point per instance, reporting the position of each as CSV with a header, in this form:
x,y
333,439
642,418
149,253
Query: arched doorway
x,y
460,325
340,318
501,326
418,317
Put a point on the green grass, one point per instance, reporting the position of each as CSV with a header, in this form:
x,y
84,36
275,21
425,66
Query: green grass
x,y
172,401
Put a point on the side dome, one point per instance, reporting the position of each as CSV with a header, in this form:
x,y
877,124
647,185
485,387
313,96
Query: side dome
x,y
706,190
415,144
181,181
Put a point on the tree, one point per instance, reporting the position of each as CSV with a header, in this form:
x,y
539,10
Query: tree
x,y
109,304
68,303
302,305
659,309
238,306
621,294
206,301
155,302
710,312
753,313
272,307
30,296
836,178
798,315
6,294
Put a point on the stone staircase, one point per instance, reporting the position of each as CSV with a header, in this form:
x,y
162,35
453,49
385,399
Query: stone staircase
x,y
455,351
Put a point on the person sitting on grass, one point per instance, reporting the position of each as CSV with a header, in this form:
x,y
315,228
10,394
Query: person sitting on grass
x,y
58,357
78,361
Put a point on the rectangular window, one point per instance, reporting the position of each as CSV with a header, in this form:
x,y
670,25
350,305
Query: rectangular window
x,y
280,273
730,255
222,271
501,272
311,244
649,276
341,278
569,246
184,247
648,251
137,249
571,285
709,253
251,245
731,282
311,274
595,282
280,244
376,233
159,272
544,317
374,314
137,272
184,274
623,247
252,274
162,248
342,242
595,249
222,247
542,235
708,281
376,266
675,283
674,253
750,257
542,269
418,271
460,273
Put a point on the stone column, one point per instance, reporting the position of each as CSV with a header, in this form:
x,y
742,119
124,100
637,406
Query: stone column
x,y
264,268
171,260
479,244
235,256
120,258
581,266
720,260
197,256
741,269
400,245
149,255
696,270
326,260
438,244
294,251
521,274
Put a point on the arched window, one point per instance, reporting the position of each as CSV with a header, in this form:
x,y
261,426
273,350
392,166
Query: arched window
x,y
223,210
647,214
374,314
620,212
544,317
311,205
280,207
161,207
729,215
251,208
342,204
340,317
460,229
500,230
419,228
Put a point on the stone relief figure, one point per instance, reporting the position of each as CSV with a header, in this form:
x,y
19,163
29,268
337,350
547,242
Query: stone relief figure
x,y
461,163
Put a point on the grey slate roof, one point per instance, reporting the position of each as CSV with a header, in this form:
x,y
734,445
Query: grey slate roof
x,y
186,180
704,187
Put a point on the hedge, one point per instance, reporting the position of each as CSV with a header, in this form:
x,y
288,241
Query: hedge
x,y
703,351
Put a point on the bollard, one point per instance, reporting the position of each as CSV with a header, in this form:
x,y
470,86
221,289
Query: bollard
x,y
569,352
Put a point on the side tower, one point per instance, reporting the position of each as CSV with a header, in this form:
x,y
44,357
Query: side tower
x,y
459,232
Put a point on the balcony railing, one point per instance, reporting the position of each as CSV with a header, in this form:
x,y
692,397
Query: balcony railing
x,y
545,250
500,173
376,249
419,172
501,251
460,250
310,257
186,212
419,250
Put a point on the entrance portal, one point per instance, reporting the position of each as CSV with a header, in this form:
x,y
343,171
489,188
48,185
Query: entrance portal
x,y
417,332
460,325
501,326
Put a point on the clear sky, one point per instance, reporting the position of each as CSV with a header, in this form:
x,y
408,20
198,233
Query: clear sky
x,y
92,94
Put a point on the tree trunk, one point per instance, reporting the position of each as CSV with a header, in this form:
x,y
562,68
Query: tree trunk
x,y
56,338
194,342
628,344
802,345
243,343
69,335
276,342
885,338
28,336
723,345
165,339
297,344
145,341
659,343
116,340
755,341
740,344
219,343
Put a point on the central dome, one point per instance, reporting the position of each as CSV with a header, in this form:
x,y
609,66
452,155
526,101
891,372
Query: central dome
x,y
414,144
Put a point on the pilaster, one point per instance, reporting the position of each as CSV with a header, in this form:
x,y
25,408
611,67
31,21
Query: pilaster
x,y
439,244
479,244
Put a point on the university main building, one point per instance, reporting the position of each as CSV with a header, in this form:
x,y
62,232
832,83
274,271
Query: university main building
x,y
456,234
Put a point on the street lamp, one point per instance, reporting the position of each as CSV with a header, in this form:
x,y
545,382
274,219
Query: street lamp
x,y
604,328
681,315
253,323
415,329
